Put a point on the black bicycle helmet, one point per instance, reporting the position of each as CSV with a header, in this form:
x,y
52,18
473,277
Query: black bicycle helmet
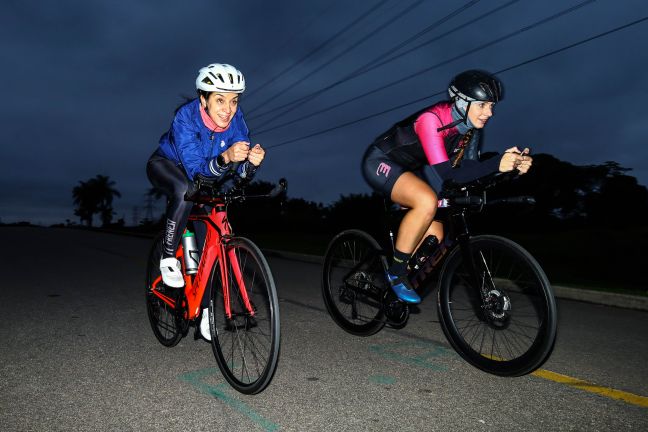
x,y
472,86
475,85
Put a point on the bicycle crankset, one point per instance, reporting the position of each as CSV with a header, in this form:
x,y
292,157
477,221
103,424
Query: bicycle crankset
x,y
396,312
358,282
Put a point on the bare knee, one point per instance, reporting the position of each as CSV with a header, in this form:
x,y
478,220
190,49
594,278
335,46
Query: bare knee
x,y
427,205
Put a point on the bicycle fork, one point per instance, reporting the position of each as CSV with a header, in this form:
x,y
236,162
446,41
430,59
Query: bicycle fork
x,y
238,276
479,272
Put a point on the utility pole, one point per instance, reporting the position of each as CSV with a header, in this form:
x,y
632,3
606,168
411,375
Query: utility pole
x,y
148,207
136,218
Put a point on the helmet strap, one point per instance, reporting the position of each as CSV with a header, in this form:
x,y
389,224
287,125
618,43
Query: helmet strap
x,y
463,117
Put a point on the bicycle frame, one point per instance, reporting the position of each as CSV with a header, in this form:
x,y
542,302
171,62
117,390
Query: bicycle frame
x,y
450,239
456,232
218,234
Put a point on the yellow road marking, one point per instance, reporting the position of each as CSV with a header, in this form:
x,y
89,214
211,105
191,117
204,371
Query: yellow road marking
x,y
634,399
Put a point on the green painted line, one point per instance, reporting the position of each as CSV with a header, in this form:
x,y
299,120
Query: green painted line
x,y
430,352
382,379
218,391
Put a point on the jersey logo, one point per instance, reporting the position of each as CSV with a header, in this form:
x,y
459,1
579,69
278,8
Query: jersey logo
x,y
383,168
222,143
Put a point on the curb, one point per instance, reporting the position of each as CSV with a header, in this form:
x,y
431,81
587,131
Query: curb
x,y
601,297
626,301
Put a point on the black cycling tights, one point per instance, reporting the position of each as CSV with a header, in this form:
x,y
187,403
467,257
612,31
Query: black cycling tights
x,y
173,182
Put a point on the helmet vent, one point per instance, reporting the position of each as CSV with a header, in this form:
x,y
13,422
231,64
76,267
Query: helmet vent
x,y
220,77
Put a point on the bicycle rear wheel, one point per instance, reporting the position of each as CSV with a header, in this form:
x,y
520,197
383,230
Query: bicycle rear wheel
x,y
246,346
512,331
354,282
167,325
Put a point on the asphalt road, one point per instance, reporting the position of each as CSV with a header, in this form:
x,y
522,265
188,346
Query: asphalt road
x,y
77,354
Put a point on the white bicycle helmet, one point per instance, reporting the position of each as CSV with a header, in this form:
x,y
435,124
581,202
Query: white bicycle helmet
x,y
220,77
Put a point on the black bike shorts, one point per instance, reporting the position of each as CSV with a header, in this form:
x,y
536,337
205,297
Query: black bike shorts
x,y
380,171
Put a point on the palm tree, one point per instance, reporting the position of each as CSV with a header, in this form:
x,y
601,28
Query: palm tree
x,y
95,196
85,201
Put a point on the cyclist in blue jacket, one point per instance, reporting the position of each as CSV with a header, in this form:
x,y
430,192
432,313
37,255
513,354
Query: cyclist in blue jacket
x,y
208,137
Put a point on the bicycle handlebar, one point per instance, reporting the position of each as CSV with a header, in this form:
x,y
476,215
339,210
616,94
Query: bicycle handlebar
x,y
473,194
524,199
207,191
477,201
452,189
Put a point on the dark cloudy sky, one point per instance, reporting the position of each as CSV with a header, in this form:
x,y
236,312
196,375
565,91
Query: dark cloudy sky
x,y
89,86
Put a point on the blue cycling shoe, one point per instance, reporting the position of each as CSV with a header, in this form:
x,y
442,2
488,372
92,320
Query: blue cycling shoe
x,y
403,289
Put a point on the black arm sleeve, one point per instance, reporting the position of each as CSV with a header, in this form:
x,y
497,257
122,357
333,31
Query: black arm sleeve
x,y
468,171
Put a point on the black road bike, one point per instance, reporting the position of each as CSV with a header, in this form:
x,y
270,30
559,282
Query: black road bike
x,y
496,306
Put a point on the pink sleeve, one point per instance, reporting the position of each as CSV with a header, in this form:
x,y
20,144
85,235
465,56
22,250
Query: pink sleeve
x,y
432,141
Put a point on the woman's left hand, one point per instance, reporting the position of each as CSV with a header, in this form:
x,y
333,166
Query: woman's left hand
x,y
256,155
524,161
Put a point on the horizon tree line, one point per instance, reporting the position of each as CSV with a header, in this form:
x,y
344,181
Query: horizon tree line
x,y
567,195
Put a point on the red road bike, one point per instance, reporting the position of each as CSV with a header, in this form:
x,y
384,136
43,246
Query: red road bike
x,y
243,303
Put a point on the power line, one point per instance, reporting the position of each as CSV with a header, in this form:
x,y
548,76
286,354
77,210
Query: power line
x,y
326,42
434,39
302,29
565,48
370,65
437,65
380,27
356,72
360,71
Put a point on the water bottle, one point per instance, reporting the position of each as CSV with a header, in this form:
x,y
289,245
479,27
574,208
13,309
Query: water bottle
x,y
191,253
428,246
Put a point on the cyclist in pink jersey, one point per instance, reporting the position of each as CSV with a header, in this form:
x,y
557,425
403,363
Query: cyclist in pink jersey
x,y
410,162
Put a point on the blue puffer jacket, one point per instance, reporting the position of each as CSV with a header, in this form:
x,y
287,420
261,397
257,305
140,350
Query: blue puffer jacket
x,y
194,146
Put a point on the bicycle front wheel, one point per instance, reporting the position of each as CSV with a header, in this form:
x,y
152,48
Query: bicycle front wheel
x,y
167,325
354,282
245,341
502,316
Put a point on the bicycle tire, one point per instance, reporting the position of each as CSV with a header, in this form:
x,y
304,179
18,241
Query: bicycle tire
x,y
353,282
168,327
513,333
246,347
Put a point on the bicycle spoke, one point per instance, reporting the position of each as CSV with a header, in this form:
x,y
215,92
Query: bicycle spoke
x,y
165,323
501,325
247,344
351,284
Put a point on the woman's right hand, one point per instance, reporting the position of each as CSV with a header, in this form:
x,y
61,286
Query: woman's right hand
x,y
237,152
511,159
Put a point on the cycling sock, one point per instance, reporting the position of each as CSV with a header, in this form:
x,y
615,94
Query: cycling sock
x,y
399,264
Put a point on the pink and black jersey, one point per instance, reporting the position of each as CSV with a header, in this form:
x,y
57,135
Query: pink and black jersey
x,y
422,141
417,141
